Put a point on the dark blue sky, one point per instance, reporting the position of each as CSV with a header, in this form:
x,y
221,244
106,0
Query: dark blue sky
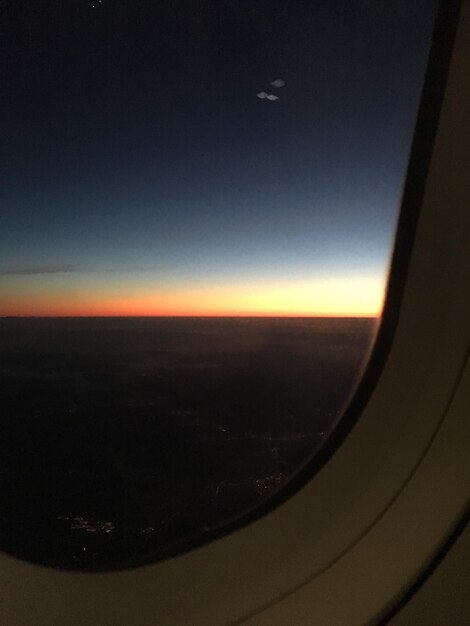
x,y
138,161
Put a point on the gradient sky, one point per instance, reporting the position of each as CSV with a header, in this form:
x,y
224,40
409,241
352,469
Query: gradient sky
x,y
142,175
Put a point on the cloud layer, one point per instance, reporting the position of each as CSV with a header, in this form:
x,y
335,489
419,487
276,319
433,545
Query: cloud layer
x,y
39,269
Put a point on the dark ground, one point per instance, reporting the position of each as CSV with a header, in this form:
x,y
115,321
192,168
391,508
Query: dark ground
x,y
123,437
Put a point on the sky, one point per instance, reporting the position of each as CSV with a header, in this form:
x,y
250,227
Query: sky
x,y
212,157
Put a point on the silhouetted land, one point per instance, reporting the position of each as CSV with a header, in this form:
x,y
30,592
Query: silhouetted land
x,y
122,436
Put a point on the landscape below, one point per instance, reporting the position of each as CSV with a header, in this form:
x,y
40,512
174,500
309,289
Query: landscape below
x,y
129,437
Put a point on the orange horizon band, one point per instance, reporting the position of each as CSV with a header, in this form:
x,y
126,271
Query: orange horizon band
x,y
360,296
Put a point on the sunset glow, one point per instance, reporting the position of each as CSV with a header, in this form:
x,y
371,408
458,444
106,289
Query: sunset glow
x,y
350,297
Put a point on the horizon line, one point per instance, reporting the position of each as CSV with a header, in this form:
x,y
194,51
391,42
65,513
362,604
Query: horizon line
x,y
352,316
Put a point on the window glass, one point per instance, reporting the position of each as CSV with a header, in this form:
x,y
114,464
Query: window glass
x,y
198,203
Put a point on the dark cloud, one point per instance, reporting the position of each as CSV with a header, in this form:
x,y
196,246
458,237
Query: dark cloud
x,y
68,269
39,269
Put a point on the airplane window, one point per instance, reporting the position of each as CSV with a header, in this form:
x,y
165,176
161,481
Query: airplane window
x,y
199,201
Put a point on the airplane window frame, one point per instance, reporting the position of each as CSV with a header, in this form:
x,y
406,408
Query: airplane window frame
x,y
420,154
307,533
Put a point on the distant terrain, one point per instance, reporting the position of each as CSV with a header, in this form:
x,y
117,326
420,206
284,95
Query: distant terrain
x,y
128,436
